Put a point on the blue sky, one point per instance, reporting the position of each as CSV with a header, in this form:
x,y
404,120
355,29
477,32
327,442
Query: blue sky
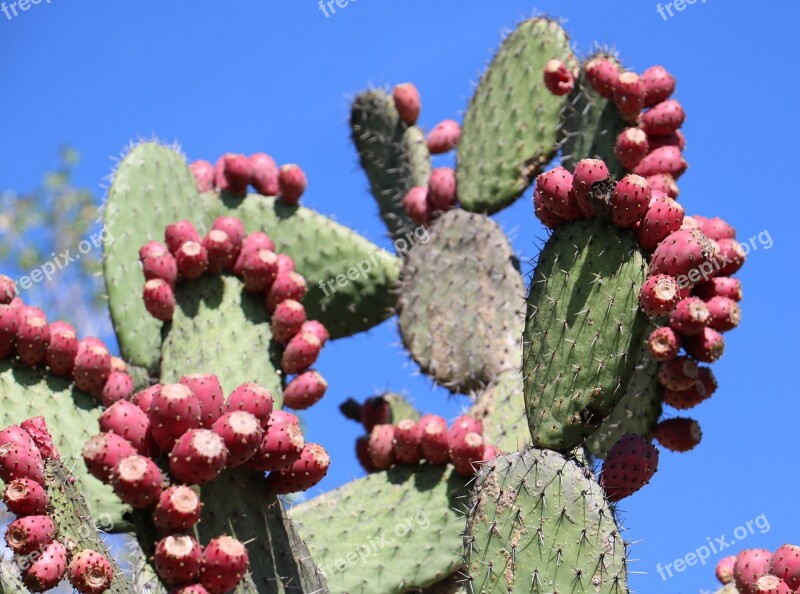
x,y
276,77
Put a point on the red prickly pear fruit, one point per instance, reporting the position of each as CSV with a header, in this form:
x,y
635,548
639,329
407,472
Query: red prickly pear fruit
x,y
159,299
663,217
631,147
242,434
131,423
177,559
287,320
490,453
292,181
287,285
176,234
629,96
658,83
103,452
548,219
708,346
461,426
678,434
602,75
407,102
667,159
679,373
62,349
444,137
17,461
27,311
9,324
233,228
259,270
174,410
381,446
281,416
252,244
629,466
717,229
17,436
407,442
118,386
305,390
285,264
92,366
362,453
663,119
434,443
137,481
417,206
211,398
701,390
663,182
301,353
33,338
46,571
25,497
691,223
770,584
118,364
177,510
442,189
557,78
158,262
629,201
233,174
89,572
659,295
690,316
264,172
36,427
751,564
8,289
664,344
785,564
192,260
466,452
27,534
302,474
375,411
282,445
220,251
587,173
144,398
198,457
203,173
555,190
316,328
731,257
724,569
675,139
223,565
686,255
725,313
252,398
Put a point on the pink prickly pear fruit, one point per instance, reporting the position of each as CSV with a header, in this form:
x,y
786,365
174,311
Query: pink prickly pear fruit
x,y
158,262
292,181
663,182
442,189
708,346
664,344
663,217
9,324
461,426
144,398
177,510
663,119
750,565
242,434
287,320
285,264
770,584
27,311
691,223
210,397
731,257
381,446
548,219
252,243
675,139
785,564
18,461
305,390
301,353
701,390
302,474
287,285
631,147
131,423
686,255
92,366
282,445
724,569
557,78
281,416
17,436
220,250
434,443
375,411
658,83
233,228
36,427
103,452
174,410
27,534
8,289
90,572
137,481
25,497
177,559
233,174
690,316
717,229
407,442
667,159
62,349
259,270
725,313
679,373
46,571
198,457
252,398
176,234
317,329
159,299
629,96
555,189
362,454
444,137
678,434
587,173
602,75
416,205
659,295
407,102
33,337
630,464
118,386
191,589
264,173
629,201
192,260
203,173
490,452
223,565
466,452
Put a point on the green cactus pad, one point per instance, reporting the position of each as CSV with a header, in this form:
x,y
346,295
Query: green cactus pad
x,y
152,188
465,268
538,522
394,156
511,128
10,580
400,408
219,328
501,408
584,330
71,417
387,532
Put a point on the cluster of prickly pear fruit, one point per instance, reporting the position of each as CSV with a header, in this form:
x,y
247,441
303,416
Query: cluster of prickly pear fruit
x,y
758,571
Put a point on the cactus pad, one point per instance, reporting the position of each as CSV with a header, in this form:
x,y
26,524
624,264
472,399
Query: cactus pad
x,y
501,407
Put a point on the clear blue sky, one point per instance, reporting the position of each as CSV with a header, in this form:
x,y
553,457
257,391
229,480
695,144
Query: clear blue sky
x,y
251,76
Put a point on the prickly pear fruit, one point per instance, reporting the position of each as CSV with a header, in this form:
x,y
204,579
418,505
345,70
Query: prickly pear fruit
x,y
198,457
770,584
252,398
731,257
663,217
375,411
381,446
602,75
442,189
45,572
678,374
724,569
686,255
292,183
19,461
659,295
177,559
251,245
408,441
717,229
663,119
36,427
557,77
317,329
547,218
281,416
362,453
259,270
118,386
301,353
631,147
305,390
220,251
191,589
407,102
282,445
461,426
679,434
8,290
33,337
233,228
223,565
690,316
664,344
62,349
663,182
287,319
137,481
701,390
750,565
129,422
435,447
159,299
17,436
444,137
203,173
242,434
724,313
264,174
587,173
303,474
173,411
210,397
178,233
666,159
629,201
25,497
658,85
630,464
629,96
555,189
417,206
177,510
233,174
103,452
144,398
89,572
27,534
708,346
158,262
287,285
676,139
466,452
192,260
785,564
9,324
